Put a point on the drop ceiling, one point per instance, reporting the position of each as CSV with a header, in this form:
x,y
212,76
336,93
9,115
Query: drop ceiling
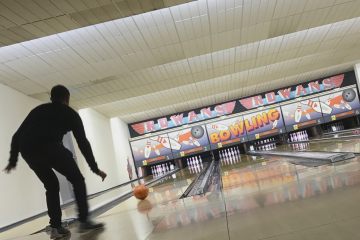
x,y
144,63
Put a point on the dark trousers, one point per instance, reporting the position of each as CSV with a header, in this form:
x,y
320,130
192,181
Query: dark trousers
x,y
42,160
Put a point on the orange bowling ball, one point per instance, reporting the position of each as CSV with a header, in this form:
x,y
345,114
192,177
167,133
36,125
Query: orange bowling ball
x,y
141,192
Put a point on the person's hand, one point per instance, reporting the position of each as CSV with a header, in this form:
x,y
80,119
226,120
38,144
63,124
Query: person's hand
x,y
9,168
102,175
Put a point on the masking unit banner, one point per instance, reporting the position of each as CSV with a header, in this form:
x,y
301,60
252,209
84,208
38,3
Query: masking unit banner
x,y
264,123
226,132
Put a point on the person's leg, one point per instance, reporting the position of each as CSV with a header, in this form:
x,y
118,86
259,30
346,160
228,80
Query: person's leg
x,y
51,184
64,163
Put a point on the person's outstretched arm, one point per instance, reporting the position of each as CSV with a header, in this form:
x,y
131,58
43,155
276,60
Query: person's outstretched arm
x,y
15,146
84,145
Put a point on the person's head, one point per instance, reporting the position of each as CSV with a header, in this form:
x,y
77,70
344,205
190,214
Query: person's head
x,y
60,94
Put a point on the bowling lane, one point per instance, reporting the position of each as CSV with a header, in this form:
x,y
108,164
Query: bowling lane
x,y
274,199
345,132
159,194
262,198
333,145
196,217
166,190
70,211
162,215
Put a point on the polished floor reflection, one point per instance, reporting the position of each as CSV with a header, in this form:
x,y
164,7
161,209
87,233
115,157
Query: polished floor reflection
x,y
261,198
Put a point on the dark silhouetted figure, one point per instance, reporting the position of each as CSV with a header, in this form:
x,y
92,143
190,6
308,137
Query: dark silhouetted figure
x,y
39,140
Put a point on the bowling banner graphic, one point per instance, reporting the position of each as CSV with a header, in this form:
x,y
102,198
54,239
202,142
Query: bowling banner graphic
x,y
153,149
302,114
189,141
265,123
341,104
301,90
226,132
176,120
241,105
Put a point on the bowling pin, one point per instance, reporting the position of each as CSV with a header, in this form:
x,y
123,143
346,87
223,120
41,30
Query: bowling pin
x,y
158,169
157,151
313,105
163,140
154,172
275,123
231,160
295,138
200,160
227,160
147,149
325,108
196,142
298,113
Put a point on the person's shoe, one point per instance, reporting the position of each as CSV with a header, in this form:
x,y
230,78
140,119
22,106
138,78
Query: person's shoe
x,y
58,232
89,225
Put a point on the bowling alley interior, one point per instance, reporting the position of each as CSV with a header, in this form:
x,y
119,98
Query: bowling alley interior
x,y
213,119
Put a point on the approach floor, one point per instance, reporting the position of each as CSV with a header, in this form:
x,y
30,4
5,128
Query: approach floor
x,y
262,198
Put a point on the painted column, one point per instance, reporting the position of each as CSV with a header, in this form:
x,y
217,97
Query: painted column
x,y
357,73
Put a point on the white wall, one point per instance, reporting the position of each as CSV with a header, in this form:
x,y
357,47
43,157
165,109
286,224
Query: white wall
x,y
98,131
121,137
22,194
